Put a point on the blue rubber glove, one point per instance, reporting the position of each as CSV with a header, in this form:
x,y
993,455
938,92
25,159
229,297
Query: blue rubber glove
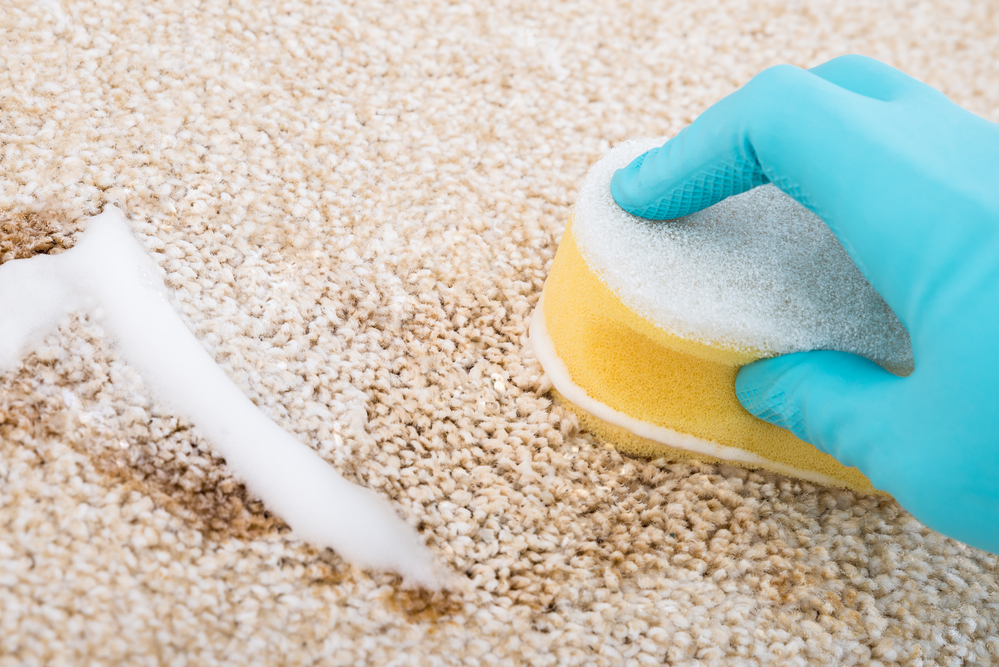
x,y
909,183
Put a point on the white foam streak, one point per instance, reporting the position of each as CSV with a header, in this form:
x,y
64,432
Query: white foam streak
x,y
108,269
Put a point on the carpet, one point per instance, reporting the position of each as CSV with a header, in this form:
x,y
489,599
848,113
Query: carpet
x,y
355,205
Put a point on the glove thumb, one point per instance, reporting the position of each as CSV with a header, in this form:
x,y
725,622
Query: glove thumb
x,y
828,399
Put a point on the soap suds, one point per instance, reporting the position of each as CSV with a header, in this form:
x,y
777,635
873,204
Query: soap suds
x,y
108,273
757,271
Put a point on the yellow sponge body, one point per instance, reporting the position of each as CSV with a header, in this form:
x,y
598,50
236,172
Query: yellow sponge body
x,y
651,393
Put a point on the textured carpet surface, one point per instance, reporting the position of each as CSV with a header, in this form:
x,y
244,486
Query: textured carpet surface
x,y
355,204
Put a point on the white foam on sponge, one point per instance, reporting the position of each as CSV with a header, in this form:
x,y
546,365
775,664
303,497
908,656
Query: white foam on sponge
x,y
108,273
757,271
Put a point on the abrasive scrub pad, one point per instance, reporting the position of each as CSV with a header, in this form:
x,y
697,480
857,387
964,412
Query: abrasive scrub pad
x,y
643,324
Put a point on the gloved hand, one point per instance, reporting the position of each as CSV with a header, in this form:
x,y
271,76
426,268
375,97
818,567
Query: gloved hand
x,y
909,183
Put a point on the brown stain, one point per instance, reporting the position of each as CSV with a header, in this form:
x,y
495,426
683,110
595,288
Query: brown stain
x,y
793,583
24,234
197,488
421,604
181,475
325,568
214,504
19,420
630,535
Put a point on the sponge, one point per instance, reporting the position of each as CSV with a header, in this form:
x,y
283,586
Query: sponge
x,y
643,325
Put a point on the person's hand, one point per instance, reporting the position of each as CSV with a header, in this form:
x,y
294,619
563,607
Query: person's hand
x,y
909,183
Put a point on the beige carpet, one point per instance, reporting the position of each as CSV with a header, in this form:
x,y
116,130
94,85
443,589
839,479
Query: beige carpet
x,y
355,205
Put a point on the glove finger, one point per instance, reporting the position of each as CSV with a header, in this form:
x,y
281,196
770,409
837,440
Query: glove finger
x,y
717,155
845,156
870,78
828,399
686,174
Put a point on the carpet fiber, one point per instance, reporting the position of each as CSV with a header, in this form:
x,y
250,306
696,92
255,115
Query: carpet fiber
x,y
355,204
